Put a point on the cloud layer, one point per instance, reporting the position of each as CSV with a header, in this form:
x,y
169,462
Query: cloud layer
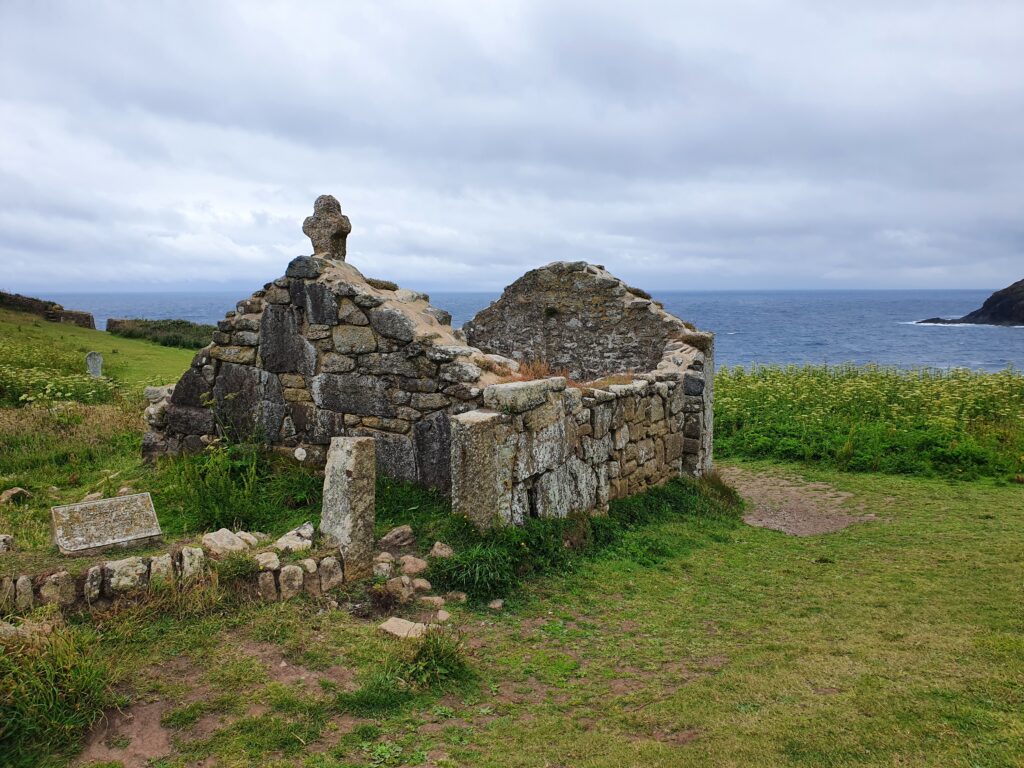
x,y
746,144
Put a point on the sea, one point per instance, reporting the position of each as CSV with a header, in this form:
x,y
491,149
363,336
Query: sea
x,y
751,327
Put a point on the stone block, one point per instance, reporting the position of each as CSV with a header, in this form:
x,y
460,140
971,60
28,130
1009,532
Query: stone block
x,y
316,300
482,456
223,542
266,586
392,323
292,581
92,587
161,569
233,354
59,589
93,526
282,348
193,564
520,396
403,628
24,599
352,393
348,513
331,575
123,576
353,339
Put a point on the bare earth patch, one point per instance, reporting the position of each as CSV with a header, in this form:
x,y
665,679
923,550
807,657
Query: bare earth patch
x,y
792,505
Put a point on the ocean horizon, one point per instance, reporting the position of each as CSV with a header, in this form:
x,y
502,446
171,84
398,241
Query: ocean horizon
x,y
752,327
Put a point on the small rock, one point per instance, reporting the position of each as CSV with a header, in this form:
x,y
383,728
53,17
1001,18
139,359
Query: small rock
x,y
125,575
443,616
193,563
440,549
456,597
94,496
331,575
403,627
23,597
496,605
384,557
397,538
6,542
432,601
223,542
125,490
383,570
248,538
92,589
401,588
58,588
14,495
266,585
305,531
292,578
421,585
411,565
292,542
268,561
161,568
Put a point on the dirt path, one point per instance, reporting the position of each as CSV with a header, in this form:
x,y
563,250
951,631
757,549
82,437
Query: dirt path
x,y
791,505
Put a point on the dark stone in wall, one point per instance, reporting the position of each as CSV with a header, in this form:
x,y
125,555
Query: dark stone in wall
x,y
432,436
185,420
317,300
250,403
282,348
191,390
352,393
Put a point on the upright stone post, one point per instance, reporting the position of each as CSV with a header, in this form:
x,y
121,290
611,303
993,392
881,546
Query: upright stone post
x,y
348,513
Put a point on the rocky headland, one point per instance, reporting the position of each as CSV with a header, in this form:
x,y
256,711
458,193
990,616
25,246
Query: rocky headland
x,y
1005,307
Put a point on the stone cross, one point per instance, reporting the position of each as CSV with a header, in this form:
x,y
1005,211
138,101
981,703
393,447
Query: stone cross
x,y
327,228
94,362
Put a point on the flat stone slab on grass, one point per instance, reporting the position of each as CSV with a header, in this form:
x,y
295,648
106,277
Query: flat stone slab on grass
x,y
403,627
90,527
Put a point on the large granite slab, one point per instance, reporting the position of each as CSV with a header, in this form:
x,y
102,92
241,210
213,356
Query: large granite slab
x,y
93,526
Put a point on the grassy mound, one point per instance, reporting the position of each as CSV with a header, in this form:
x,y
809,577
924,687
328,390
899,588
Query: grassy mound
x,y
955,423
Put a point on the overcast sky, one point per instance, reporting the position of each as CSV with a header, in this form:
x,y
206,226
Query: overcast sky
x,y
160,146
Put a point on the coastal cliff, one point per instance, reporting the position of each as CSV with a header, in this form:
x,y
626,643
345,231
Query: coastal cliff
x,y
1005,307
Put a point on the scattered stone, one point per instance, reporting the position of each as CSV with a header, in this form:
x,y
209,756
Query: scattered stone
x,y
92,588
311,579
125,490
421,585
94,496
331,575
432,601
296,540
383,570
266,586
125,575
6,542
496,605
456,597
403,628
443,616
400,587
248,538
384,557
97,524
6,595
14,495
441,550
411,565
223,542
397,538
349,502
268,561
193,564
292,578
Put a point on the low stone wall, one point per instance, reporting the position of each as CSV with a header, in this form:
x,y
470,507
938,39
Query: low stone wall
x,y
48,310
542,449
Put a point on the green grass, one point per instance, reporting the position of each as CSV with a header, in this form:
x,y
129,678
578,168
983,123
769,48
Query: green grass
x,y
955,423
167,333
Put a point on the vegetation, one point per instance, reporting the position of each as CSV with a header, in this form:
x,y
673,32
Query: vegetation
x,y
167,333
955,423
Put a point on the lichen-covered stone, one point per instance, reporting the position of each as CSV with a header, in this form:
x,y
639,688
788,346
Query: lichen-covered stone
x,y
348,509
127,575
291,579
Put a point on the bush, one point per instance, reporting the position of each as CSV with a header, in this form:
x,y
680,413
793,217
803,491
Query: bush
x,y
167,333
955,423
50,693
34,374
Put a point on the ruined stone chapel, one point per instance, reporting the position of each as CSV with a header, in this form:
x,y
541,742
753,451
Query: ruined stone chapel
x,y
572,389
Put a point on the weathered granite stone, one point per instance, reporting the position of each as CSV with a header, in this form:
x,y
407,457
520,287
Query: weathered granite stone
x,y
90,527
396,456
440,549
328,228
92,587
397,538
316,300
127,575
331,575
392,323
268,561
348,512
483,452
94,364
403,628
304,267
291,579
189,421
233,354
193,564
282,348
520,396
6,543
58,588
6,595
250,402
412,565
353,339
266,586
351,393
24,598
15,495
161,569
223,542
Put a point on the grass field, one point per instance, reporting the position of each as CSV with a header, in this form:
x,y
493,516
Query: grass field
x,y
686,638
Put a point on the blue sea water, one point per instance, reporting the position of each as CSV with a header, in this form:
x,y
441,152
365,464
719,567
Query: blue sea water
x,y
751,326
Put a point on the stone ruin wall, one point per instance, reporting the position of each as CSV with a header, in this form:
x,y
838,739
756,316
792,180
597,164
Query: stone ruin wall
x,y
324,352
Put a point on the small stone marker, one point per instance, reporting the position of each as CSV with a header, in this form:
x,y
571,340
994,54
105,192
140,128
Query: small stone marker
x,y
92,526
94,362
348,513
